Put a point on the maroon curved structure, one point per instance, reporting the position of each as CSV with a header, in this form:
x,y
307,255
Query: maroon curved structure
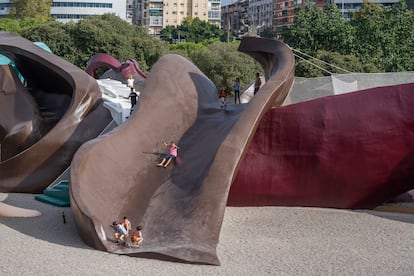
x,y
182,207
119,71
354,150
44,121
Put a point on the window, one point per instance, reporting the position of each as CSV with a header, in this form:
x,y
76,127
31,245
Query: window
x,y
82,4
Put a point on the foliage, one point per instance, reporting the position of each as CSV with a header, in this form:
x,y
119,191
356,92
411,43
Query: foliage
x,y
267,32
222,63
78,42
9,25
56,35
185,48
326,60
15,26
193,30
36,9
391,30
315,29
381,38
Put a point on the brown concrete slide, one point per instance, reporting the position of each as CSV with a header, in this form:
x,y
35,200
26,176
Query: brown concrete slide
x,y
45,120
180,207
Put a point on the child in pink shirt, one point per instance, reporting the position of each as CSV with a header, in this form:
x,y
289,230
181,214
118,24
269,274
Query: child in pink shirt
x,y
169,157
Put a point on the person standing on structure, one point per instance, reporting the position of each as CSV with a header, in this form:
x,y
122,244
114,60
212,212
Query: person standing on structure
x,y
257,83
222,97
133,96
130,83
236,89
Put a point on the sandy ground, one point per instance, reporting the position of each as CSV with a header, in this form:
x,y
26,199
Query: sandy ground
x,y
253,241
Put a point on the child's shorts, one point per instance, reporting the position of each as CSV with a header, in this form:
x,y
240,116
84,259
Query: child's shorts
x,y
169,156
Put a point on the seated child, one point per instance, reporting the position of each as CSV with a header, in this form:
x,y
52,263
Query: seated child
x,y
127,225
136,237
120,231
169,157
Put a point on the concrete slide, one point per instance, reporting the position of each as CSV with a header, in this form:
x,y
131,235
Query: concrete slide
x,y
180,207
44,120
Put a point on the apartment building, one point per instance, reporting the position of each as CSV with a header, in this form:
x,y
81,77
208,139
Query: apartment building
x,y
234,17
348,6
280,14
130,11
214,12
284,13
261,13
4,8
71,10
154,15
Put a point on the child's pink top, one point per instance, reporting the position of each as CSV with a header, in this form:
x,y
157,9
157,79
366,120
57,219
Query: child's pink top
x,y
173,150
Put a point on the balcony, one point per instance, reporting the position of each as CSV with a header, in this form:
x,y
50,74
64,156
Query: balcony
x,y
155,10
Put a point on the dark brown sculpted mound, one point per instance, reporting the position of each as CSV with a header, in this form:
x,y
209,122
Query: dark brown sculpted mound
x,y
45,118
181,207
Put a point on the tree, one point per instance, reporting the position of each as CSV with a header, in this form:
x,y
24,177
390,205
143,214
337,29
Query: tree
x,y
368,23
9,25
330,62
78,42
185,48
193,30
267,32
222,63
37,9
384,36
315,29
56,35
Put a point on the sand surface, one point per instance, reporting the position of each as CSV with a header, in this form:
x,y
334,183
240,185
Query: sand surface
x,y
253,241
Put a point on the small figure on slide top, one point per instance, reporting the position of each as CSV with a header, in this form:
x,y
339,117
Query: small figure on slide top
x,y
257,83
130,83
170,156
133,96
136,238
222,97
236,88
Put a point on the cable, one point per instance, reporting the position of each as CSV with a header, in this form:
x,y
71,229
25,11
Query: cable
x,y
323,69
319,60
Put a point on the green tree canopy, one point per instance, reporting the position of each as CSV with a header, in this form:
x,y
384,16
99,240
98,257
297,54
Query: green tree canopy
x,y
316,29
9,25
193,30
385,36
78,42
326,62
56,35
382,38
222,63
37,9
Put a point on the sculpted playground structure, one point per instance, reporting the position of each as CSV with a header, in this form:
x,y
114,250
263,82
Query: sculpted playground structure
x,y
354,150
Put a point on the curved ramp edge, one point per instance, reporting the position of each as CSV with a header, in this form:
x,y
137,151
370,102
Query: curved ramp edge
x,y
181,208
66,110
7,210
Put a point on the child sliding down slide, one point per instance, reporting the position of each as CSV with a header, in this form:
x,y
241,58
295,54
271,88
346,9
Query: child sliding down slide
x,y
170,156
